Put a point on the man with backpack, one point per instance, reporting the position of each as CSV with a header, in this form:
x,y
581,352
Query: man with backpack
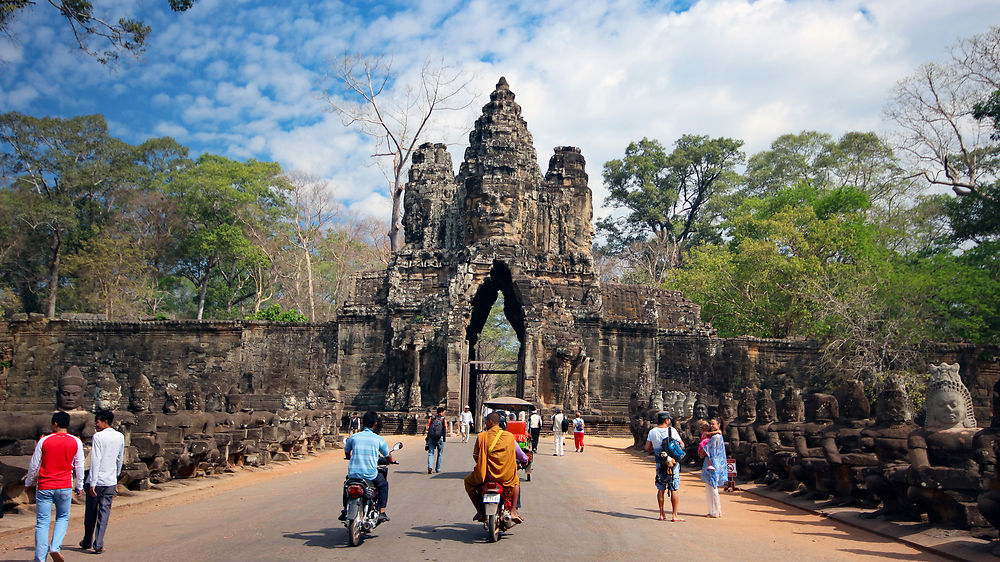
x,y
437,429
559,427
668,474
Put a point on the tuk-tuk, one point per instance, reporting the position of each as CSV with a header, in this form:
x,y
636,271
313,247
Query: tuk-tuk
x,y
518,428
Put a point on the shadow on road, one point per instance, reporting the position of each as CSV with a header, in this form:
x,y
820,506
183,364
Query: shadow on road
x,y
453,475
468,533
619,514
333,537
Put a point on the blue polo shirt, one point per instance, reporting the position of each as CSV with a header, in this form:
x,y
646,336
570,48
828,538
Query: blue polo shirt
x,y
364,448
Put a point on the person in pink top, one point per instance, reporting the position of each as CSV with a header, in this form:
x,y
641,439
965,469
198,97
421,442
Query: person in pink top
x,y
57,457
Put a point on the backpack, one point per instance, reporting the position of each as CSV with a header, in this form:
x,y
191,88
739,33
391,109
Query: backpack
x,y
436,430
565,425
672,446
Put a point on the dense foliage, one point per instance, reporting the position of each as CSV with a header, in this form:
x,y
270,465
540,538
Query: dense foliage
x,y
89,223
841,240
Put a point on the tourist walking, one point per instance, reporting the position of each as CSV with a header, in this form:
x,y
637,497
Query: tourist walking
x,y
578,432
355,425
464,424
437,428
667,481
107,451
57,458
534,428
558,431
714,472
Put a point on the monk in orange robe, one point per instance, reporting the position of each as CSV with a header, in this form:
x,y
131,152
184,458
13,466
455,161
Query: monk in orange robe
x,y
496,461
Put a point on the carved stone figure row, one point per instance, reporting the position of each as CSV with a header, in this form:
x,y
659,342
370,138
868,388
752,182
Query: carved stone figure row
x,y
828,446
180,441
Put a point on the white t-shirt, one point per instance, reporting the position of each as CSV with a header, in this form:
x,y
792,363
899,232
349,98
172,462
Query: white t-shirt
x,y
658,434
557,422
466,417
536,421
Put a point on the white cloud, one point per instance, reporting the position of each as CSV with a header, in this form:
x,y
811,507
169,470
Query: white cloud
x,y
242,80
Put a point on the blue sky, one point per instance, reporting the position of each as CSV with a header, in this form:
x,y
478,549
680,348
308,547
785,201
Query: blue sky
x,y
243,78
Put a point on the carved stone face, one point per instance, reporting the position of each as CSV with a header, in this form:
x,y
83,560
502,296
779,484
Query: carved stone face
x,y
945,409
700,410
70,396
766,411
747,410
792,410
893,407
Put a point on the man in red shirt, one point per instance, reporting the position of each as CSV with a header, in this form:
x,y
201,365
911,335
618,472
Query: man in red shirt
x,y
57,456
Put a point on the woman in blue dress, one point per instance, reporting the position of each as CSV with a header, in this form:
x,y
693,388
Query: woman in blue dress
x,y
713,471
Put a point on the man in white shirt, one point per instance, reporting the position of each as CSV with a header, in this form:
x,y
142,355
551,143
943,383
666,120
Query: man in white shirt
x,y
654,443
557,432
106,455
465,421
534,428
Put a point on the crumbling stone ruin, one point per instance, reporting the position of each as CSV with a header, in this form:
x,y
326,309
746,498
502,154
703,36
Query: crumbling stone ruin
x,y
199,397
828,447
501,227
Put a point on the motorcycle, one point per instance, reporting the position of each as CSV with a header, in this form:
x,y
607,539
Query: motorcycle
x,y
497,510
362,503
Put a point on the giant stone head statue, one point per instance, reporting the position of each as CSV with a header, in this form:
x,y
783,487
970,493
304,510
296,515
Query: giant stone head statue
x,y
949,404
142,396
893,405
107,393
767,411
72,386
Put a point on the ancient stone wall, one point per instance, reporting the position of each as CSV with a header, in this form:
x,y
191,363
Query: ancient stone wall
x,y
264,361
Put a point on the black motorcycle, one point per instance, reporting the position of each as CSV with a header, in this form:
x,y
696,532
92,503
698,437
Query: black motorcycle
x,y
362,503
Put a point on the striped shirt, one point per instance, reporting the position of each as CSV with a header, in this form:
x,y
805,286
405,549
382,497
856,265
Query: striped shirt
x,y
365,448
57,456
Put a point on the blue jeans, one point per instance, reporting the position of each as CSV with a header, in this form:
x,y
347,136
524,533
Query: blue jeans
x,y
435,447
43,506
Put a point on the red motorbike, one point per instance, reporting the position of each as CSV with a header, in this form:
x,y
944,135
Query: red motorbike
x,y
497,510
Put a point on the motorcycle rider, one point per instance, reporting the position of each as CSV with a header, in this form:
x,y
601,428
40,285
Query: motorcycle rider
x,y
364,449
496,459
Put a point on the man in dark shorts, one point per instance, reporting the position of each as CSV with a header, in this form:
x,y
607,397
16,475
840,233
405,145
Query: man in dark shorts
x,y
654,442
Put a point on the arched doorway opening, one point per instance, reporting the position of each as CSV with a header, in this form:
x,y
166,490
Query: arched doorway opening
x,y
499,285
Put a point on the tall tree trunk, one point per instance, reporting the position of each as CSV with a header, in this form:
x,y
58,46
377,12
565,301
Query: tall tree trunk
x,y
54,277
396,235
201,295
309,280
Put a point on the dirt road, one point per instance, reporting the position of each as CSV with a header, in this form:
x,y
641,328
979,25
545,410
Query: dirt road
x,y
597,505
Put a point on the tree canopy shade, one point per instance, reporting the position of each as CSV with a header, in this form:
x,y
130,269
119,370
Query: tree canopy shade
x,y
62,178
223,201
127,34
667,199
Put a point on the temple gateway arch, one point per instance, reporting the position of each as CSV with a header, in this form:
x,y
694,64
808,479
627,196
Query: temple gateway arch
x,y
407,333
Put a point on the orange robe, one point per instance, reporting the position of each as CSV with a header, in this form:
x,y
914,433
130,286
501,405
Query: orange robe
x,y
498,465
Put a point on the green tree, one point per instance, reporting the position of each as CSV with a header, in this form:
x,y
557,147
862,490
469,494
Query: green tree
x,y
223,201
127,34
667,199
61,181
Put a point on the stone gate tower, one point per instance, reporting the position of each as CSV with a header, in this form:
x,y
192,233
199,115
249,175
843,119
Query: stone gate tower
x,y
500,226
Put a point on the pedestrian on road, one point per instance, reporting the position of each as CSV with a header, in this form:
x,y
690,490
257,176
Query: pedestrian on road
x,y
107,451
558,431
664,482
57,458
437,429
535,428
355,425
713,471
578,431
465,423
